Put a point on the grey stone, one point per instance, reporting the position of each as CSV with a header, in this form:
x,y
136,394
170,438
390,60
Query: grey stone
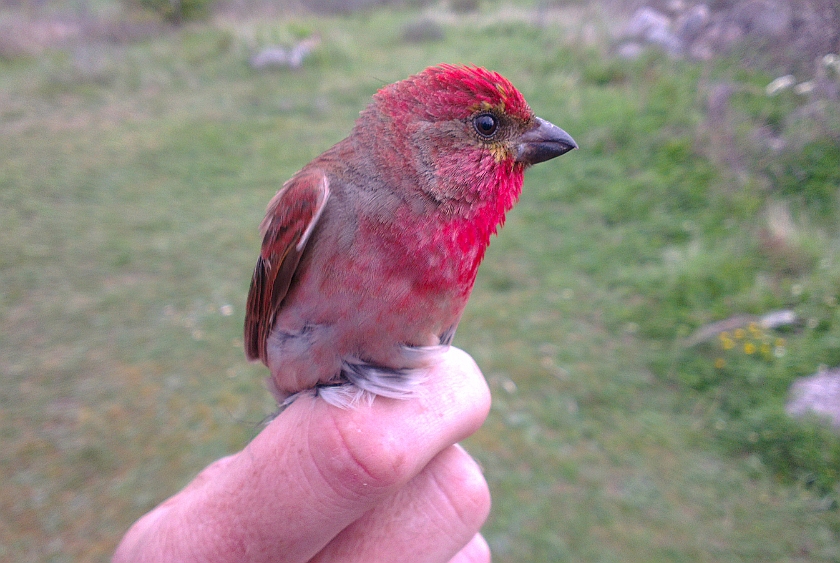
x,y
689,24
818,394
764,18
275,56
646,21
630,50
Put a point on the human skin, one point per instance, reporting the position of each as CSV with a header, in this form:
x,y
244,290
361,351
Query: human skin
x,y
385,481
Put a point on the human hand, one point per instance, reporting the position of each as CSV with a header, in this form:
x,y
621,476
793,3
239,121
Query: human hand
x,y
374,483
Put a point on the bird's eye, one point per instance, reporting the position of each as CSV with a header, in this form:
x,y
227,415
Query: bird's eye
x,y
486,124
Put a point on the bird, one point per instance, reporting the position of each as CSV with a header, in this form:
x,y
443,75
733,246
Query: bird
x,y
370,252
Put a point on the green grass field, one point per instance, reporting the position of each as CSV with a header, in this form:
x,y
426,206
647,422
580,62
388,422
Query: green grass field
x,y
133,176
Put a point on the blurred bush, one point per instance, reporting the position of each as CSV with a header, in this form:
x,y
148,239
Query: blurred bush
x,y
350,6
422,31
177,11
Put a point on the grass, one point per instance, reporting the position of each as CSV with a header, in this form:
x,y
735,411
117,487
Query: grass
x,y
132,181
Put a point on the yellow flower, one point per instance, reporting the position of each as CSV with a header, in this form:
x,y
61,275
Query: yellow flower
x,y
728,344
719,363
749,348
740,333
754,329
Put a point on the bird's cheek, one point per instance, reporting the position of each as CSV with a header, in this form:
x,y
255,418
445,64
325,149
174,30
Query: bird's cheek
x,y
501,152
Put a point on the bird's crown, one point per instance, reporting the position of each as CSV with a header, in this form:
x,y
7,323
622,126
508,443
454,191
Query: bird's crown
x,y
454,92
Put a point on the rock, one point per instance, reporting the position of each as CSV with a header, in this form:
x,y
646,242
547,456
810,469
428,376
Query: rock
x,y
779,84
646,21
827,78
718,103
654,27
712,330
701,51
630,50
675,6
768,321
270,57
302,50
718,37
689,24
787,30
667,40
764,18
779,319
818,394
276,56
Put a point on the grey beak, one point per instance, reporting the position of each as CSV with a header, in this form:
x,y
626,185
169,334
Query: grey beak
x,y
542,142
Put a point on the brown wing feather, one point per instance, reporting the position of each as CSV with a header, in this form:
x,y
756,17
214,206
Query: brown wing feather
x,y
290,218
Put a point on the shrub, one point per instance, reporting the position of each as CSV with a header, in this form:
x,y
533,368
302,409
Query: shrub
x,y
179,11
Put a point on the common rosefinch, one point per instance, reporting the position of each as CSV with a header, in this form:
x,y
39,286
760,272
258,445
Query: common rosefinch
x,y
370,251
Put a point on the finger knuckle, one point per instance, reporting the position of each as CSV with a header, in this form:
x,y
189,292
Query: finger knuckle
x,y
362,464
